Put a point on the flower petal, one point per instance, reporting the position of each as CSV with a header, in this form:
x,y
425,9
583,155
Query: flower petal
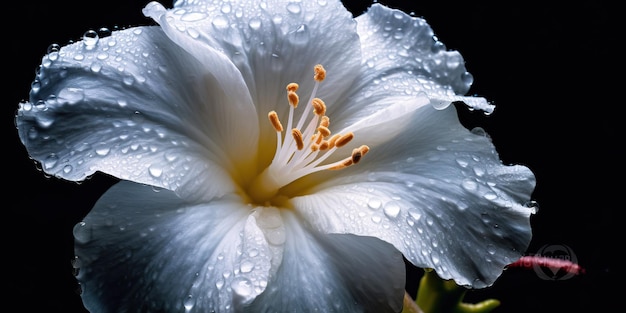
x,y
142,249
402,57
439,194
271,43
333,273
147,110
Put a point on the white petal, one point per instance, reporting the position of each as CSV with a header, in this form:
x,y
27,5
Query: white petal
x,y
271,43
401,57
439,194
137,107
146,250
333,273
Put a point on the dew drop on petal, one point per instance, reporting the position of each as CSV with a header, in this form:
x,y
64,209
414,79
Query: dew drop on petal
x,y
220,22
300,36
255,23
81,232
374,203
189,303
276,236
294,8
155,171
192,17
246,266
90,39
469,185
219,283
392,209
50,161
490,196
241,286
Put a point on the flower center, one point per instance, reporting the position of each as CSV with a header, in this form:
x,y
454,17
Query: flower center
x,y
306,147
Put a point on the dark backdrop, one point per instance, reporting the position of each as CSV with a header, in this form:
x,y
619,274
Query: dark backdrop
x,y
551,70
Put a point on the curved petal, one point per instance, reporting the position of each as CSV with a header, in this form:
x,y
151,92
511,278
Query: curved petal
x,y
270,43
361,274
438,193
136,106
402,57
146,250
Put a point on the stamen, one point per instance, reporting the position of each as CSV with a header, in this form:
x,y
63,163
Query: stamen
x,y
296,157
320,73
293,99
319,107
292,87
333,140
273,117
345,163
324,131
297,136
343,140
358,153
325,121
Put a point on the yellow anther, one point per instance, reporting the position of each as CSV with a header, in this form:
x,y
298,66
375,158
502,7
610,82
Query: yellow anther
x,y
320,73
358,153
324,145
273,117
345,163
315,147
318,138
325,121
343,139
293,99
324,131
292,87
297,136
333,140
319,107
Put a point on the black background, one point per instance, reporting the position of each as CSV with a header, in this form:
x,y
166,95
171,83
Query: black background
x,y
553,72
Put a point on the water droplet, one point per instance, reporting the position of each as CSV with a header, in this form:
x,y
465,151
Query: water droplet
x,y
392,209
82,233
374,203
67,169
416,216
469,185
300,36
226,8
246,267
242,286
437,46
490,196
467,78
220,22
90,39
53,48
276,236
192,16
189,303
50,161
255,23
294,8
104,32
155,171
533,206
376,219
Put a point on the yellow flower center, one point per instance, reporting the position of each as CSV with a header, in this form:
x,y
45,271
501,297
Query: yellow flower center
x,y
304,150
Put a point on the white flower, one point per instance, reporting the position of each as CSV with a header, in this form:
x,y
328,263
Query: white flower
x,y
215,212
